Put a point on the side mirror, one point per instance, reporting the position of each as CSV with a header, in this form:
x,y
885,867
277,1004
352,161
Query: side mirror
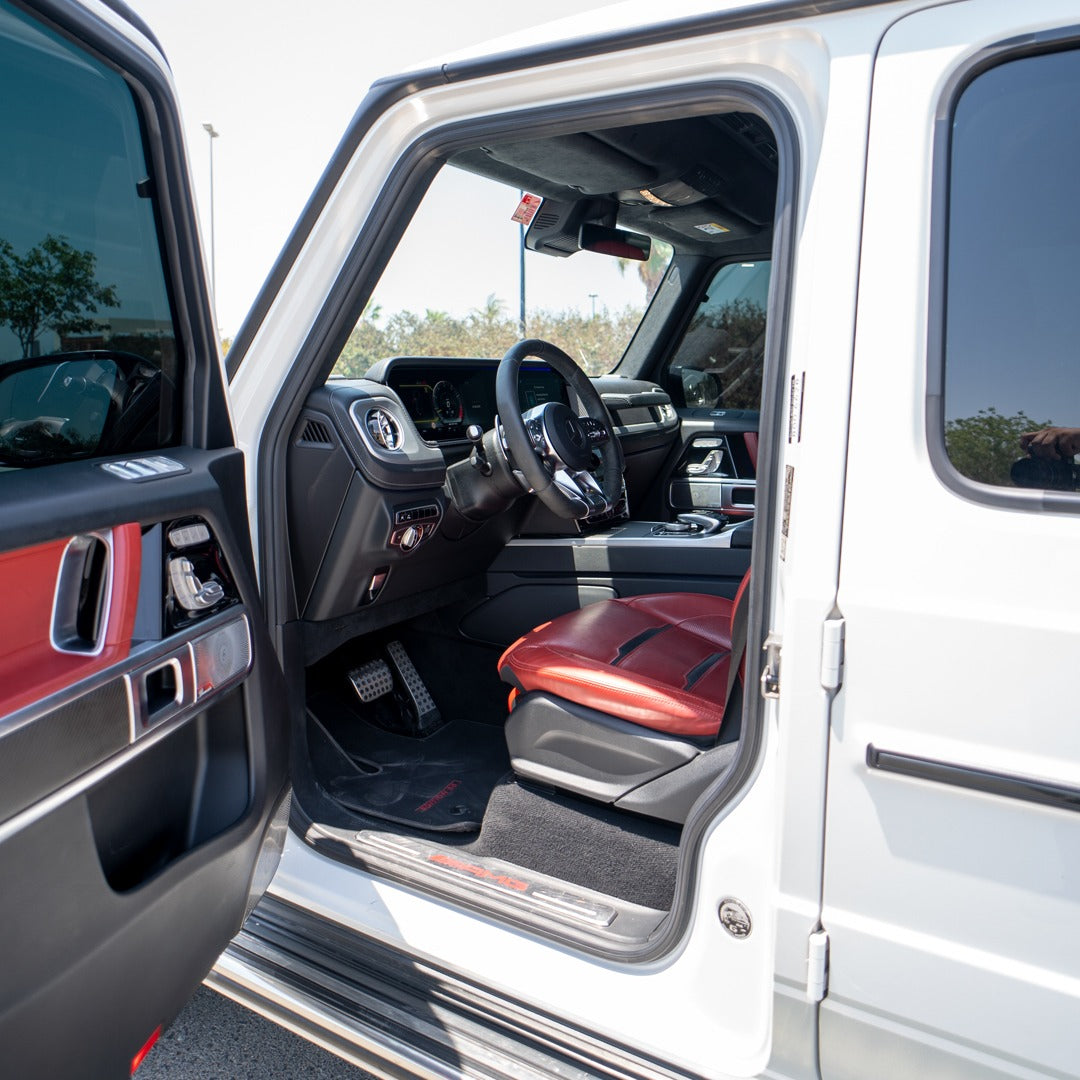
x,y
699,388
57,408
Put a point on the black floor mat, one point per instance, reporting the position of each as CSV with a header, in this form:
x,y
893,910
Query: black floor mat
x,y
441,782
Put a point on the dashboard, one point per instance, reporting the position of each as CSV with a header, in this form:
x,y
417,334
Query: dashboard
x,y
444,396
375,534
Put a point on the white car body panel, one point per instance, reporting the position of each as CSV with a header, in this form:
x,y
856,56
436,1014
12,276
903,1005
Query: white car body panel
x,y
952,913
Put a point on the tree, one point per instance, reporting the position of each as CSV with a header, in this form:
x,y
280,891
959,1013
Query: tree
x,y
52,287
651,270
596,343
983,447
728,343
489,314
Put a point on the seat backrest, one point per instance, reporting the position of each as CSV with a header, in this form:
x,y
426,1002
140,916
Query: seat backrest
x,y
739,610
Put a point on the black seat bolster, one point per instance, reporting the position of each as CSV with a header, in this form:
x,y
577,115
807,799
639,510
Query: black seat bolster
x,y
670,797
561,744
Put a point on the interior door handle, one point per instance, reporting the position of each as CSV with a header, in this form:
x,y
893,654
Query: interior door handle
x,y
192,594
81,604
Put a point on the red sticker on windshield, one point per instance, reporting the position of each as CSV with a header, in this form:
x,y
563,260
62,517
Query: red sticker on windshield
x,y
526,209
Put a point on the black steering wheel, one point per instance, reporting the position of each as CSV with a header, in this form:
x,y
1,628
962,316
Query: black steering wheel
x,y
550,446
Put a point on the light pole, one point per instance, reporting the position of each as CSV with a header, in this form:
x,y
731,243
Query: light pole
x,y
521,276
209,129
593,296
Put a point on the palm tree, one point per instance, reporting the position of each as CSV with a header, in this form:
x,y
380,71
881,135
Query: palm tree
x,y
651,271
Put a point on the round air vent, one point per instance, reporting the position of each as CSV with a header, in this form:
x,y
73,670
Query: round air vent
x,y
384,429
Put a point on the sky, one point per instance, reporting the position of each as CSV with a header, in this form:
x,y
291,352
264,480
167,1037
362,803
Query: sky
x,y
280,81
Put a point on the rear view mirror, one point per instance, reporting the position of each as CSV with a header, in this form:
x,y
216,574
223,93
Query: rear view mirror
x,y
615,242
561,229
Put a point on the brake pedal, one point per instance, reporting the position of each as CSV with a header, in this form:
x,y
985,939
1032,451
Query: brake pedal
x,y
372,680
423,705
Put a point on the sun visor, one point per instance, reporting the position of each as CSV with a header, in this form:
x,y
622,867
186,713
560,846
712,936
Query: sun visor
x,y
575,161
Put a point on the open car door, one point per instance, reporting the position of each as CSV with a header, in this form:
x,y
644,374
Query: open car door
x,y
142,710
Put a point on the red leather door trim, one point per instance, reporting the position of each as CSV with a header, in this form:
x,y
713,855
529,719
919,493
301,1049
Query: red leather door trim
x,y
750,438
31,667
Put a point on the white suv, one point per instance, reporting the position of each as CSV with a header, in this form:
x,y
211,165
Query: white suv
x,y
516,708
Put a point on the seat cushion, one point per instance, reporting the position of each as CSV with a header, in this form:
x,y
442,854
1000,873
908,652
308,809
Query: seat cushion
x,y
659,660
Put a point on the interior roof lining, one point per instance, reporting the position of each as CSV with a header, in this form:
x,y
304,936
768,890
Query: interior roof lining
x,y
741,169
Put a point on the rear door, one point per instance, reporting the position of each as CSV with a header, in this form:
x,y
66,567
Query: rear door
x,y
142,715
951,889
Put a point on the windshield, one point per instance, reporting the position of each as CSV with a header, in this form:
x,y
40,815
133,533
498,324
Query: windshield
x,y
459,285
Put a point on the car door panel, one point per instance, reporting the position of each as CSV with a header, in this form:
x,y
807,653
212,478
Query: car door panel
x,y
712,467
137,773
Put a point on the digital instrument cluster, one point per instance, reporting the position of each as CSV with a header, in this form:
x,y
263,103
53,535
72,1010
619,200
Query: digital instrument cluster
x,y
444,397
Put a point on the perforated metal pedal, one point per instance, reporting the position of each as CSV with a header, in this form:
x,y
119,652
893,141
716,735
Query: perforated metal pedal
x,y
427,712
372,680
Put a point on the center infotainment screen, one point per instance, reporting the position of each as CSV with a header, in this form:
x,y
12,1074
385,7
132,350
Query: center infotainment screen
x,y
444,397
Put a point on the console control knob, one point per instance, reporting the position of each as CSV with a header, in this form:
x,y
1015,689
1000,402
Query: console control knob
x,y
411,537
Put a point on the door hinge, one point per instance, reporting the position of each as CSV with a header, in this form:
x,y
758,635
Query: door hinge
x,y
770,675
817,966
832,654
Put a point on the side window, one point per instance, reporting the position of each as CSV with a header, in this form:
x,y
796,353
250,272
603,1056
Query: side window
x,y
88,357
1012,322
719,361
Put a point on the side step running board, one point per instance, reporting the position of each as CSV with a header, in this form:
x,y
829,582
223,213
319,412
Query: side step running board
x,y
398,1016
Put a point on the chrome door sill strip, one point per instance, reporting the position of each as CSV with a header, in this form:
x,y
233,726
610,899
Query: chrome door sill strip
x,y
525,898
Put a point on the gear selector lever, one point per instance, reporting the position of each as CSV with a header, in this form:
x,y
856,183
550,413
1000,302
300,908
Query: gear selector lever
x,y
688,525
700,524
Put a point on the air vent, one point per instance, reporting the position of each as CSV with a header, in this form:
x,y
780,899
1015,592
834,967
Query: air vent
x,y
383,429
315,433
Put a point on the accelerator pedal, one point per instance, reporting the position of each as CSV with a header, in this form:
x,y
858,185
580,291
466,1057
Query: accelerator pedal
x,y
372,680
423,706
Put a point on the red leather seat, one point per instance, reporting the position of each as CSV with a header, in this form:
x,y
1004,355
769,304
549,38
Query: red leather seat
x,y
662,661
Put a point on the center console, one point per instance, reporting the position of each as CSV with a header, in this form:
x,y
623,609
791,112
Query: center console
x,y
534,579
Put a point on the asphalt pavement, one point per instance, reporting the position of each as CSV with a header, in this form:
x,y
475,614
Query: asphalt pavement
x,y
216,1039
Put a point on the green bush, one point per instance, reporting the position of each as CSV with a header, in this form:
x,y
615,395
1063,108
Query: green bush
x,y
595,342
